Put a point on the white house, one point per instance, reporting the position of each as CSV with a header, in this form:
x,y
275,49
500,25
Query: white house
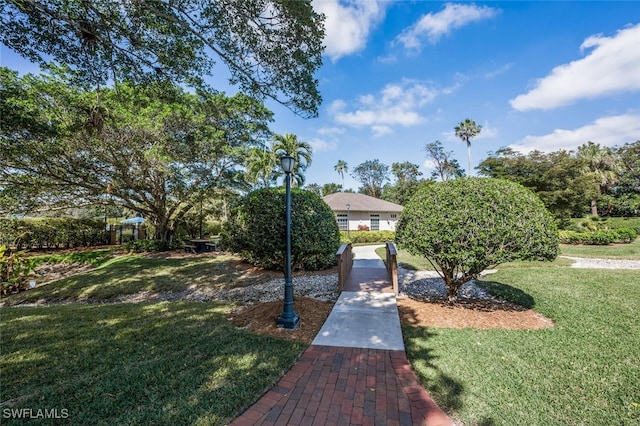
x,y
359,210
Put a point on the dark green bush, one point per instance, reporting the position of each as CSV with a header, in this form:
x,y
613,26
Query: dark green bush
x,y
140,246
256,230
52,233
599,237
466,225
367,237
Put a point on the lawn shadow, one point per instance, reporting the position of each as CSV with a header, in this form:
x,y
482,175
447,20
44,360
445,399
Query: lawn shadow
x,y
508,293
162,363
445,389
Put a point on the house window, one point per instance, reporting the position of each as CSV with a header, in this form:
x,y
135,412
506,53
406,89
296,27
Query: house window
x,y
394,216
343,221
375,222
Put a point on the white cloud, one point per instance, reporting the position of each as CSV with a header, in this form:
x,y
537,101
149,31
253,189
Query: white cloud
x,y
331,131
613,66
347,25
432,26
395,104
606,131
497,72
322,145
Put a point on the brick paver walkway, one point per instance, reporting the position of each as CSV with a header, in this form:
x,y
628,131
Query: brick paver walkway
x,y
357,385
332,385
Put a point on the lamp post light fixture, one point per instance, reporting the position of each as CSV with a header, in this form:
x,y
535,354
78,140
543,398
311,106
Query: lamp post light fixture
x,y
348,219
288,319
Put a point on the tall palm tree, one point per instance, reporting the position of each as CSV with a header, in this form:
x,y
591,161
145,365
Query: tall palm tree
x,y
600,165
466,130
261,166
300,151
341,167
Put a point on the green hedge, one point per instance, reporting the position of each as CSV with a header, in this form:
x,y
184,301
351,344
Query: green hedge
x,y
366,237
599,237
52,233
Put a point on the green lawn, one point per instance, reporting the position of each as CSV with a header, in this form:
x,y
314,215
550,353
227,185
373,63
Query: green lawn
x,y
167,363
135,273
163,363
618,251
585,370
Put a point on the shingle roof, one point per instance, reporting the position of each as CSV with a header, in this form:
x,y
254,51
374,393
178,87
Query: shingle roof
x,y
359,202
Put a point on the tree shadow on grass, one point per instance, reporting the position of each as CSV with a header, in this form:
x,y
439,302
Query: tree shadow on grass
x,y
445,389
421,347
148,363
508,293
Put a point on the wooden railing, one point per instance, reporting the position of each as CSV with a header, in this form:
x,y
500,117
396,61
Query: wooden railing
x,y
392,265
344,258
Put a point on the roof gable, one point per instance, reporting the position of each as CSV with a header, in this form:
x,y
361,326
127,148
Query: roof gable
x,y
359,202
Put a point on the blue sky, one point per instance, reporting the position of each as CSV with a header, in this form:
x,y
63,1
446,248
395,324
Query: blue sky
x,y
536,75
400,74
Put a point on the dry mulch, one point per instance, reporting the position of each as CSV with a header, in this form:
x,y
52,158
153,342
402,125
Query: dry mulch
x,y
483,315
261,318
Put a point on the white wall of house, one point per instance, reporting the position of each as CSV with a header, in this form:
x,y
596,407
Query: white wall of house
x,y
384,221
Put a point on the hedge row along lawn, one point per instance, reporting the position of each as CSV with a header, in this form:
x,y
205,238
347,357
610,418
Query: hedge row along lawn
x,y
585,370
617,251
146,363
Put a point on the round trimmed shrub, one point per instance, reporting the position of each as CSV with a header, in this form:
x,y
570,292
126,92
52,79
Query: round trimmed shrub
x,y
466,225
256,230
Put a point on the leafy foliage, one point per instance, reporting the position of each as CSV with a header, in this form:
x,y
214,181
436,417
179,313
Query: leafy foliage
x,y
556,177
271,48
466,225
155,150
599,237
371,174
466,130
52,232
256,230
367,237
140,246
14,270
444,165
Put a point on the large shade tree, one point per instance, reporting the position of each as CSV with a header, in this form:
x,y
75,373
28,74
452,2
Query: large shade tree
x,y
600,166
406,184
155,150
444,165
556,177
466,130
271,48
371,174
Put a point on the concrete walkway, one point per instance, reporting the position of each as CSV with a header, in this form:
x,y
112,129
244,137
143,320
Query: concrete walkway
x,y
356,371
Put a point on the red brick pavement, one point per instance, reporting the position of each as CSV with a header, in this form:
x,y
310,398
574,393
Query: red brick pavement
x,y
346,386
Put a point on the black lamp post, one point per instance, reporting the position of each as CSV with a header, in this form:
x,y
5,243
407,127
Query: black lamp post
x,y
348,233
288,319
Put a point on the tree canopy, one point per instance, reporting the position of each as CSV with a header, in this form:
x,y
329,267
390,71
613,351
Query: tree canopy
x,y
153,149
371,174
466,130
463,226
271,48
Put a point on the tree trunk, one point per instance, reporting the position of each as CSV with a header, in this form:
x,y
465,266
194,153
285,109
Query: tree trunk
x,y
594,207
452,286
